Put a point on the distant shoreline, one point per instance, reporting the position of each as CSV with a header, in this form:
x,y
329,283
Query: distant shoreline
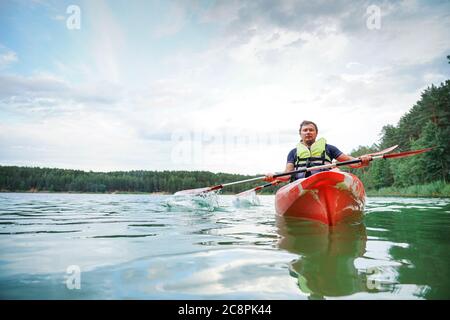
x,y
369,193
398,195
436,189
80,192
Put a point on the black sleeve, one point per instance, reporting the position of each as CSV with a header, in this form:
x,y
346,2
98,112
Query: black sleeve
x,y
292,156
332,151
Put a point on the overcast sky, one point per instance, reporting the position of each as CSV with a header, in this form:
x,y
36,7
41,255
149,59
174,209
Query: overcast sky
x,y
207,85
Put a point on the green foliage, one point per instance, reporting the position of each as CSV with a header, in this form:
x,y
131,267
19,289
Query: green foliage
x,y
433,189
427,124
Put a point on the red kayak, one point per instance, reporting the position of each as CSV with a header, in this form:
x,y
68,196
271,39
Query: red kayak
x,y
329,197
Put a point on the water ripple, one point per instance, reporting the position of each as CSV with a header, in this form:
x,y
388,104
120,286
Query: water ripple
x,y
157,247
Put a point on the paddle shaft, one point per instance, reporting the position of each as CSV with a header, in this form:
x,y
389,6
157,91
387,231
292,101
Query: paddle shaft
x,y
354,161
220,186
325,166
266,185
269,184
241,181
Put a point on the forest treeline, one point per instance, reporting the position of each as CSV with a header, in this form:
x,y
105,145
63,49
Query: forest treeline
x,y
13,178
426,124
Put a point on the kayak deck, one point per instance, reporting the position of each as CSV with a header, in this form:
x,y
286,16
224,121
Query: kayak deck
x,y
329,197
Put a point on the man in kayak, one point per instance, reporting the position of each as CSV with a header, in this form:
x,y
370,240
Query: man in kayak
x,y
311,152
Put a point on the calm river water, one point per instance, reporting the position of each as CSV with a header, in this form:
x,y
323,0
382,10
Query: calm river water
x,y
78,246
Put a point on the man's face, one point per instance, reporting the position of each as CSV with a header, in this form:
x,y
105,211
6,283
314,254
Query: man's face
x,y
308,134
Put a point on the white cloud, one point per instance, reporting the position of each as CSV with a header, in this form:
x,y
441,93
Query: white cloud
x,y
263,70
86,140
7,57
43,95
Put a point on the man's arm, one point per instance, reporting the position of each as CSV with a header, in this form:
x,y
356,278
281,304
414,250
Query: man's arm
x,y
289,167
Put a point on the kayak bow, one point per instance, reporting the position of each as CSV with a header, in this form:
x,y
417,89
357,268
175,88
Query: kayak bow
x,y
329,197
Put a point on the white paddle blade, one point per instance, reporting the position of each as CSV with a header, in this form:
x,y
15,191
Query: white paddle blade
x,y
191,192
246,199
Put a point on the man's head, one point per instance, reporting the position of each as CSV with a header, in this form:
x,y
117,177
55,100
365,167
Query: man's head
x,y
308,132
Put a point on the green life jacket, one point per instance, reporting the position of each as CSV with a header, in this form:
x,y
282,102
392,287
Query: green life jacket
x,y
315,155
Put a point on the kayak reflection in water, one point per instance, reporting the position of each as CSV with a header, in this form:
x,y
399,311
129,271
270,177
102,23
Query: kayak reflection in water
x,y
311,152
326,266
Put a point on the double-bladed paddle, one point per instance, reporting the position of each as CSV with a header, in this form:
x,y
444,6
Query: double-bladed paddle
x,y
376,155
275,182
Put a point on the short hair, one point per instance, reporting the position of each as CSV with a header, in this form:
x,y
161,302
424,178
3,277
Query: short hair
x,y
306,122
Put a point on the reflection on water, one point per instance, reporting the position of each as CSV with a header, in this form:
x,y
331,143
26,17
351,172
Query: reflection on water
x,y
325,266
166,247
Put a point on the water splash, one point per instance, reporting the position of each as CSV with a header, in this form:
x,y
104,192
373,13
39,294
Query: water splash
x,y
207,202
248,200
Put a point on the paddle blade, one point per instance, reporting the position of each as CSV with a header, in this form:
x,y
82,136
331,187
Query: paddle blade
x,y
191,192
406,153
244,193
387,150
248,192
199,191
246,199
